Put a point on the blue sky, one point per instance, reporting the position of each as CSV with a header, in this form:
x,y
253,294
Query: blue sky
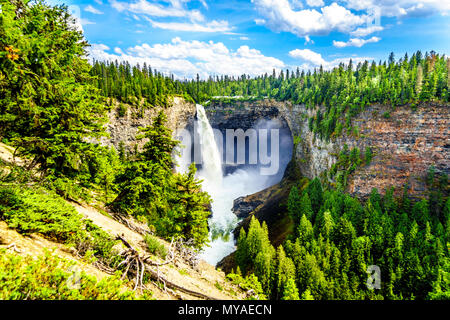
x,y
210,37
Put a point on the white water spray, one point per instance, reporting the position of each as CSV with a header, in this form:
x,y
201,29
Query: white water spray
x,y
211,158
222,220
223,190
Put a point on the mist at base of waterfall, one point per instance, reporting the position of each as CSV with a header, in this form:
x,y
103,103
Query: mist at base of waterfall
x,y
242,182
225,189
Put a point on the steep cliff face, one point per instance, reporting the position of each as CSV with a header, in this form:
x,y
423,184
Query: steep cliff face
x,y
125,128
404,144
244,115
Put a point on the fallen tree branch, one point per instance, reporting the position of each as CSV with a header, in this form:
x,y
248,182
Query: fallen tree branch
x,y
13,247
154,275
131,225
132,257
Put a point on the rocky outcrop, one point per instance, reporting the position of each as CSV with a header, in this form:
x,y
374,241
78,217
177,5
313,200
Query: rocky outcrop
x,y
242,206
244,115
405,144
125,128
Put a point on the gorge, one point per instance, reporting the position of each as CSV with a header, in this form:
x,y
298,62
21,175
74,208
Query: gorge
x,y
405,146
223,165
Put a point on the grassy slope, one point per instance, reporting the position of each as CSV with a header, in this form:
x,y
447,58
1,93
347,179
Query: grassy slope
x,y
203,279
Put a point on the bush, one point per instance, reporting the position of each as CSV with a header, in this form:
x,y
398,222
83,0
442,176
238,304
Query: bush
x,y
40,211
122,110
155,246
368,155
51,278
250,282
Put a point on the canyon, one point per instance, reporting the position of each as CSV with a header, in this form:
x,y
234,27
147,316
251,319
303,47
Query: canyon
x,y
405,142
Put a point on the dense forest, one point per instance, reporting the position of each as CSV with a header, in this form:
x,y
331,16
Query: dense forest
x,y
50,112
336,238
53,107
342,92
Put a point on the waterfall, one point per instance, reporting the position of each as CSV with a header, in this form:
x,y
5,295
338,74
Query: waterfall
x,y
211,158
222,189
223,220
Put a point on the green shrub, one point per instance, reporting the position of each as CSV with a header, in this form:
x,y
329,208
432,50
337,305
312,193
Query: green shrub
x,y
50,278
368,155
250,282
155,246
41,211
122,110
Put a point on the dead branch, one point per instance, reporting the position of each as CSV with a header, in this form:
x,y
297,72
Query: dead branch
x,y
154,275
187,252
13,247
131,225
135,265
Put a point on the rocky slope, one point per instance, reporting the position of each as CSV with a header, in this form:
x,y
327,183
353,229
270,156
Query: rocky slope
x,y
187,282
125,128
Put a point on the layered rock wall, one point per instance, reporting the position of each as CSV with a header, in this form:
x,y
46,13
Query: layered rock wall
x,y
405,142
125,128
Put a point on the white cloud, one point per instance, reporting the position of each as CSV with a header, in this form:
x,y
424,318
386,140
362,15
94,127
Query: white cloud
x,y
362,32
308,56
187,58
85,22
355,42
315,3
279,16
196,21
296,4
213,26
151,9
356,17
244,38
203,2
313,59
154,9
401,8
91,9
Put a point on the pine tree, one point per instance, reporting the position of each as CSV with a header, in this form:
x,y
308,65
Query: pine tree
x,y
294,205
419,80
241,254
47,105
160,144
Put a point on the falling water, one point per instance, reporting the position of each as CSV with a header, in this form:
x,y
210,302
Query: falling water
x,y
222,189
222,220
211,158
